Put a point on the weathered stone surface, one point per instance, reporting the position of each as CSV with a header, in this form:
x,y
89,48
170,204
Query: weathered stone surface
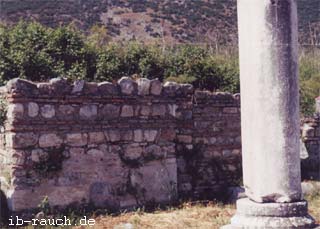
x,y
110,111
113,135
50,140
173,110
138,135
21,86
21,140
98,154
33,109
127,135
66,112
155,87
171,88
159,180
187,89
78,86
60,86
77,139
127,111
90,88
155,151
107,88
89,111
168,134
15,111
271,215
150,135
158,110
143,86
128,86
48,111
96,137
184,138
133,152
145,110
38,155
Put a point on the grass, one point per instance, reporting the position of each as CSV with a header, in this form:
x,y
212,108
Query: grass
x,y
187,215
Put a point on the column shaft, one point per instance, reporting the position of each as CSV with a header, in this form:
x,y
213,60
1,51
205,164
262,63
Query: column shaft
x,y
268,41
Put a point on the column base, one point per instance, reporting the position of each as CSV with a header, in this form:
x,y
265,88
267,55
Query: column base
x,y
271,215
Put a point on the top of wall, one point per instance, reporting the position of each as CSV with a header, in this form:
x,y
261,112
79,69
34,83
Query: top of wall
x,y
125,87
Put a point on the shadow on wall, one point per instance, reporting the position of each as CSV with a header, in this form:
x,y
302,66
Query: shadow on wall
x,y
4,210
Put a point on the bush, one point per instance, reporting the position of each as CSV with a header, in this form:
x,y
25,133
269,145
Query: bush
x,y
38,53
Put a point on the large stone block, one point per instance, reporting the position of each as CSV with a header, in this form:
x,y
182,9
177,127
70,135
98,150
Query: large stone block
x,y
156,180
96,137
50,140
107,88
143,86
110,111
15,111
128,86
127,111
77,139
89,111
48,111
33,109
21,140
155,87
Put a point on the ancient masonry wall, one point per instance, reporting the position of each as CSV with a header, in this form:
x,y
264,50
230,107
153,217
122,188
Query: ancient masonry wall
x,y
310,165
116,145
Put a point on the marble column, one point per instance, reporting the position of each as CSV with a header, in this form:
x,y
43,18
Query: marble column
x,y
268,45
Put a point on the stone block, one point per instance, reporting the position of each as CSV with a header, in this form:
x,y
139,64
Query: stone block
x,y
127,111
145,110
155,151
143,86
60,86
128,86
184,138
156,180
110,111
150,135
90,88
133,152
158,110
21,140
33,109
78,86
126,135
171,88
168,134
21,86
138,135
97,154
107,88
113,135
48,111
66,112
96,138
50,140
77,139
187,89
38,155
155,87
89,111
15,111
173,110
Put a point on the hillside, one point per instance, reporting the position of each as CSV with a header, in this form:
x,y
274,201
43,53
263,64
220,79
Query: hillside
x,y
169,21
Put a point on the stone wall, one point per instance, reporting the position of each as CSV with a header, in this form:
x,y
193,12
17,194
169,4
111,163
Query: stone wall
x,y
116,145
311,137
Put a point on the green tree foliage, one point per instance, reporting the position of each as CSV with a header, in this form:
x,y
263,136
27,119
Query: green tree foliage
x,y
38,53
